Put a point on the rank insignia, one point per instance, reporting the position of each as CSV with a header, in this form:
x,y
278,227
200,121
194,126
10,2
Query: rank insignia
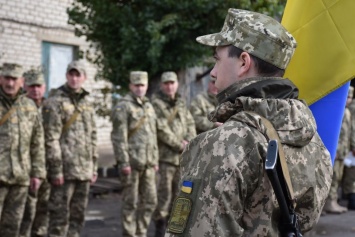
x,y
179,215
186,186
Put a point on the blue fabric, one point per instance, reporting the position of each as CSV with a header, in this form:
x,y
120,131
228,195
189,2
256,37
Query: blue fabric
x,y
328,113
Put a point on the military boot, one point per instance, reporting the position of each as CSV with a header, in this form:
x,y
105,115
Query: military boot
x,y
160,226
351,201
332,206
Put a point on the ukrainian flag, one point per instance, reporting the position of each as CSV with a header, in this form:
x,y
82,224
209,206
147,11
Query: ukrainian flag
x,y
186,186
324,60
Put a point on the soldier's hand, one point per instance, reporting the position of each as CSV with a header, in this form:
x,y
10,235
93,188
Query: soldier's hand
x,y
126,170
93,179
58,181
183,145
34,184
156,168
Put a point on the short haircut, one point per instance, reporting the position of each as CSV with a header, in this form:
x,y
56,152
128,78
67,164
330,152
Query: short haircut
x,y
263,68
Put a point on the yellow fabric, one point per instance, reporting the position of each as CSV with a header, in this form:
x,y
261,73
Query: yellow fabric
x,y
324,58
186,189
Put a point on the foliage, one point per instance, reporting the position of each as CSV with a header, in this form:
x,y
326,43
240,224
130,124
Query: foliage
x,y
152,35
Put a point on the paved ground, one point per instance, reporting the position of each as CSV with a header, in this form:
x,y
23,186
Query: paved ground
x,y
103,216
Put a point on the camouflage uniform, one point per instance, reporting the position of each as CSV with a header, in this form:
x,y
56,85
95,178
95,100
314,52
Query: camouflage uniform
x,y
200,107
172,130
348,184
135,145
71,153
36,217
224,188
21,155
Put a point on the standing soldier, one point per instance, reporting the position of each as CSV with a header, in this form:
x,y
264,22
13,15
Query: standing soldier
x,y
175,128
22,161
136,151
70,141
202,105
349,171
331,205
36,210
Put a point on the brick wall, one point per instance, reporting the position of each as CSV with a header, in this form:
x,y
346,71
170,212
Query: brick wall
x,y
25,24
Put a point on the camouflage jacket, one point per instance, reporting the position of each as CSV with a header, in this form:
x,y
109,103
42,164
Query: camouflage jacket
x,y
21,141
343,147
231,193
200,107
172,130
70,152
134,134
352,119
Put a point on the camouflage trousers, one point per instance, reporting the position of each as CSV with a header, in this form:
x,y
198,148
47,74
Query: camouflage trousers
x,y
139,201
337,178
349,180
36,216
169,177
12,206
67,204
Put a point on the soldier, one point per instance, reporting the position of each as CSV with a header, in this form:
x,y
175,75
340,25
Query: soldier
x,y
224,188
331,205
136,150
22,163
348,183
175,128
36,210
70,141
202,105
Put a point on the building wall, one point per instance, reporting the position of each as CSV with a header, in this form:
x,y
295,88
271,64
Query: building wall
x,y
25,24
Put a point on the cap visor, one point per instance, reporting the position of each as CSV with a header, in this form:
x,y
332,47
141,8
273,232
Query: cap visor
x,y
213,40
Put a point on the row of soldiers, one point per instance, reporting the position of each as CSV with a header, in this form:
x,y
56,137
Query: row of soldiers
x,y
48,154
344,176
148,138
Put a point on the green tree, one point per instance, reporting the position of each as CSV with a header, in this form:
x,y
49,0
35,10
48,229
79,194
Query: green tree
x,y
152,35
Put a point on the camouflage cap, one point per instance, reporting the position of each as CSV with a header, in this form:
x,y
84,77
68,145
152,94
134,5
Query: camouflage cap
x,y
11,70
351,92
169,76
33,77
138,77
255,33
77,65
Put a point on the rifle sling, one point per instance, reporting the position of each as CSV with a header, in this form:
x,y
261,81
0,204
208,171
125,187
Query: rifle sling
x,y
272,134
70,121
137,127
7,115
173,115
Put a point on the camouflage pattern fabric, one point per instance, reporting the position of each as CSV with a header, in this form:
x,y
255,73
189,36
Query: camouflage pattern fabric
x,y
36,217
141,149
200,107
170,137
34,77
72,154
134,139
230,194
12,204
343,149
67,206
11,70
139,200
21,142
255,33
348,182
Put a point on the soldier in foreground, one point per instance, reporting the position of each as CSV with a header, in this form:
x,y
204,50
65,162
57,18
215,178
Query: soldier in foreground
x,y
134,139
35,218
70,141
175,128
22,164
202,105
332,205
224,190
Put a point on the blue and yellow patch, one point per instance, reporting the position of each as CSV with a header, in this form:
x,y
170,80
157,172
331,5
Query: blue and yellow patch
x,y
186,186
